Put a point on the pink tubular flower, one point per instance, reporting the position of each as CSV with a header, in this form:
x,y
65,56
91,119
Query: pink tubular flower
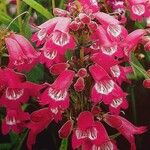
x,y
139,9
115,31
90,5
107,46
135,37
45,30
58,68
117,72
117,102
56,94
126,128
55,33
39,120
104,86
22,55
92,132
15,120
17,90
60,35
57,40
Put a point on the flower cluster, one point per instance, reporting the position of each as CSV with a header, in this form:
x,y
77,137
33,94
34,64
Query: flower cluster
x,y
100,48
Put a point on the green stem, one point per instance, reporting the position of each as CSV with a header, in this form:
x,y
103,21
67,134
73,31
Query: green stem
x,y
26,12
64,144
61,4
115,135
53,4
18,13
22,140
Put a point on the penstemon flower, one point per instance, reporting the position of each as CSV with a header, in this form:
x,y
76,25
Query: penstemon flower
x,y
139,9
86,56
22,56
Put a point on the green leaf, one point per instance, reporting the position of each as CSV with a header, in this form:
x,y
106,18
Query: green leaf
x,y
68,55
3,5
13,137
147,54
21,140
5,146
39,8
17,140
140,25
5,19
138,69
36,74
27,29
64,144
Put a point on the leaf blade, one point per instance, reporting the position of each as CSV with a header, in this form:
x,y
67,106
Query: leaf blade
x,y
39,8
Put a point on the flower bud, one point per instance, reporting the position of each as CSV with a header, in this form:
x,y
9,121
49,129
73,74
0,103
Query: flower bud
x,y
92,25
74,26
59,68
82,73
66,129
84,18
146,83
79,85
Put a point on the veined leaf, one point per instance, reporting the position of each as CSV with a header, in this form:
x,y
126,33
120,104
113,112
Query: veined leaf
x,y
39,8
138,69
64,144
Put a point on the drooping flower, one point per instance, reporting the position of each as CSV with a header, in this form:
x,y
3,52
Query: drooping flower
x,y
55,33
45,30
16,90
117,102
15,120
104,86
116,71
127,129
56,94
39,120
58,68
22,55
139,9
103,43
115,31
135,37
92,132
